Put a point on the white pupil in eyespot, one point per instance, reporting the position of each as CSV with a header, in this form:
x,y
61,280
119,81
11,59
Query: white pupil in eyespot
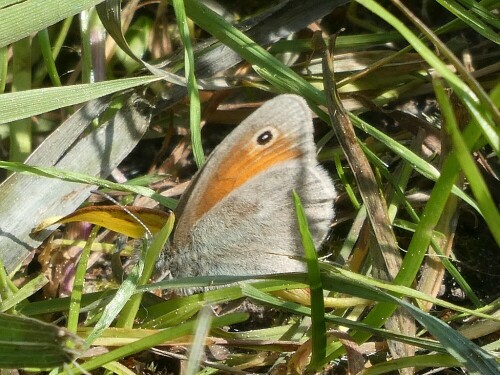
x,y
264,138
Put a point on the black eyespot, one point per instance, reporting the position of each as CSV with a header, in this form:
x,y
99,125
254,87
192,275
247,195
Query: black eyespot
x,y
265,138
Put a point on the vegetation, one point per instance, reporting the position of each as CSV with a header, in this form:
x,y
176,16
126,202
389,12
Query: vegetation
x,y
112,96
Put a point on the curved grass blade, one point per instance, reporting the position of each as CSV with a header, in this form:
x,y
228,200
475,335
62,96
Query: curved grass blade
x,y
110,15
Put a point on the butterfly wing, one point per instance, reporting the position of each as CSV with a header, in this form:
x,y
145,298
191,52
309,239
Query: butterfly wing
x,y
238,216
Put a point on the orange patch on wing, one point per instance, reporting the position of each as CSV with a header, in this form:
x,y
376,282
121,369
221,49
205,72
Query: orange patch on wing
x,y
244,161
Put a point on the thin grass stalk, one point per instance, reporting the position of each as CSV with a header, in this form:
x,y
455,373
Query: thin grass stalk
x,y
194,96
44,42
4,64
40,74
77,292
20,131
318,329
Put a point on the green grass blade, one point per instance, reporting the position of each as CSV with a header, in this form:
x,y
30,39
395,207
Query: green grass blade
x,y
129,312
20,130
270,67
86,56
51,172
151,341
45,47
4,64
6,291
28,289
16,24
419,361
347,185
476,180
474,358
194,96
77,292
318,331
120,299
470,19
27,342
40,73
20,105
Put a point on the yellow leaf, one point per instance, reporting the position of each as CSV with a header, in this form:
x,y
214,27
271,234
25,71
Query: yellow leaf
x,y
115,218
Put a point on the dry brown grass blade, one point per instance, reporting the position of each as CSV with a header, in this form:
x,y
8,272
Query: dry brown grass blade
x,y
385,251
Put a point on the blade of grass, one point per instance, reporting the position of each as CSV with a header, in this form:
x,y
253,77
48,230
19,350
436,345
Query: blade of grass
x,y
386,259
19,105
6,291
370,193
117,368
40,73
129,312
474,97
153,340
196,354
63,304
77,292
476,180
470,19
194,96
348,187
16,25
30,343
318,330
120,299
27,290
51,172
481,9
86,55
419,361
4,64
45,47
20,130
